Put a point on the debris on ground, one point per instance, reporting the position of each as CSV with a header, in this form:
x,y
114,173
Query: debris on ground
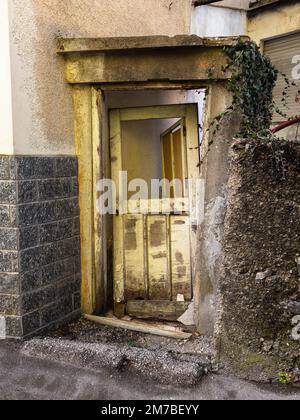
x,y
157,329
89,332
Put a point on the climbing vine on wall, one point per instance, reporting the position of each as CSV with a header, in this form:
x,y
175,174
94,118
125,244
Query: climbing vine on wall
x,y
252,83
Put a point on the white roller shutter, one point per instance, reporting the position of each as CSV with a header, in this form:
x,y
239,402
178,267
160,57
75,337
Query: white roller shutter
x,y
282,51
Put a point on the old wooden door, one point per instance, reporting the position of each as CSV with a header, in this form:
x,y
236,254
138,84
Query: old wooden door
x,y
153,262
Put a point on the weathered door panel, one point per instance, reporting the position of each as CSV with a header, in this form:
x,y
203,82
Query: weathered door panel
x,y
152,244
158,258
135,264
180,258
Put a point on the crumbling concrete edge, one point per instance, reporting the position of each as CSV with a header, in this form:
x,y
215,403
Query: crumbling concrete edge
x,y
163,367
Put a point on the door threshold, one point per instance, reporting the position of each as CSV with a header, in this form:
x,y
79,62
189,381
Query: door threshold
x,y
159,329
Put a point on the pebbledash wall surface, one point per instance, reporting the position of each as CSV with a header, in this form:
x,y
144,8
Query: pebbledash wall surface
x,y
39,243
39,223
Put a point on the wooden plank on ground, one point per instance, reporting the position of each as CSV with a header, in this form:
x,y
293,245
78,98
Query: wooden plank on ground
x,y
139,327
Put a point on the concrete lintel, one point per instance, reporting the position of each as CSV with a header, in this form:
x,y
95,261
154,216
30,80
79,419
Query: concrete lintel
x,y
145,59
77,45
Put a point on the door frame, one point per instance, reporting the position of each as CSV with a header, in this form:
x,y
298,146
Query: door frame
x,y
187,112
94,66
170,131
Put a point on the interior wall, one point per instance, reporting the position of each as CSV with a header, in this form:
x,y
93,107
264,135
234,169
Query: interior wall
x,y
6,129
142,153
42,102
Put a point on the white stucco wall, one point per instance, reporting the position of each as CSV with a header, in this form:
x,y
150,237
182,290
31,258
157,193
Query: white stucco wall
x,y
42,103
6,127
218,21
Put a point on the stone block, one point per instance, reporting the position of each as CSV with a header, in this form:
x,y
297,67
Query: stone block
x,y
9,284
14,216
30,302
8,192
10,305
27,192
5,216
76,301
50,314
65,268
76,226
28,168
30,281
28,214
28,237
9,239
66,167
8,262
66,249
50,189
31,323
48,254
48,274
48,232
67,208
30,259
4,168
14,326
65,229
46,212
48,295
75,187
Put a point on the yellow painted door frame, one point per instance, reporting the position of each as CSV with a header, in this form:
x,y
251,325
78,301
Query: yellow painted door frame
x,y
90,141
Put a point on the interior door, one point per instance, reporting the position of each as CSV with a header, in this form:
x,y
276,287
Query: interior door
x,y
153,236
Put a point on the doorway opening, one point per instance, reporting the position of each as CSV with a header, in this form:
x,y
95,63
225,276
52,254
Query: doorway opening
x,y
154,139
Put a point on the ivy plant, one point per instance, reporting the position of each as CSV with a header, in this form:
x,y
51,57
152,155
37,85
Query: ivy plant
x,y
252,83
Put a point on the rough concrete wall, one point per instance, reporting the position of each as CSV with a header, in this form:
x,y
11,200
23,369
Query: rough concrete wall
x,y
260,277
214,175
43,120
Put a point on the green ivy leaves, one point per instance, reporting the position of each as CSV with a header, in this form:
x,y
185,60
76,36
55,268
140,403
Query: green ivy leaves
x,y
254,78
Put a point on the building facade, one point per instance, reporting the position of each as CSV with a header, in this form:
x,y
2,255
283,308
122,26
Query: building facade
x,y
86,87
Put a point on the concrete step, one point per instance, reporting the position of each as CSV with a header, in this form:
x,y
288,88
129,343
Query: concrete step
x,y
169,368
